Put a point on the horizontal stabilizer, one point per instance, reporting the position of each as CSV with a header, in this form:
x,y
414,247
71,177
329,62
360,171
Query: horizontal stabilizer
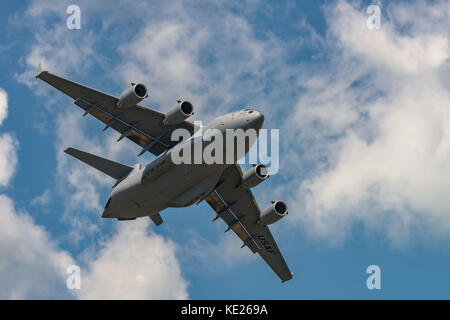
x,y
111,168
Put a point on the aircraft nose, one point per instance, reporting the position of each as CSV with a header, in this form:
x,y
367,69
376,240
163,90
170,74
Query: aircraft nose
x,y
258,120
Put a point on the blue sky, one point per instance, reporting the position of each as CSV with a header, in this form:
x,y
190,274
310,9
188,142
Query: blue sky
x,y
364,142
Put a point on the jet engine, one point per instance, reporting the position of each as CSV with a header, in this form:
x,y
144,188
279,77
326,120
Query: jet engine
x,y
254,176
273,213
180,112
132,96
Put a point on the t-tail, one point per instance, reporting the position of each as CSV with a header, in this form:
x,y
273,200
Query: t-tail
x,y
113,169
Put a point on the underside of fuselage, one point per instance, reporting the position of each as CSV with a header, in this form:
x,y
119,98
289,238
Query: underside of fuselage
x,y
181,186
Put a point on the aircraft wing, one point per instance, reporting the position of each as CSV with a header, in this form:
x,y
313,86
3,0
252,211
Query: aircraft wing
x,y
142,125
238,208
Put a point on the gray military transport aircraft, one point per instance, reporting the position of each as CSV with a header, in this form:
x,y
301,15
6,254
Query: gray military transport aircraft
x,y
140,192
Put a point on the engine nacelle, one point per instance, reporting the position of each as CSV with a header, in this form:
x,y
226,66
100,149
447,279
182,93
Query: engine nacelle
x,y
180,112
132,96
273,213
254,176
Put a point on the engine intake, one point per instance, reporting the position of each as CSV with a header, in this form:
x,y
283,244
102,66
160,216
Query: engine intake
x,y
273,213
180,112
254,176
132,96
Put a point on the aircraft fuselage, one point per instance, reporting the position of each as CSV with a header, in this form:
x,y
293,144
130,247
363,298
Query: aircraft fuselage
x,y
163,184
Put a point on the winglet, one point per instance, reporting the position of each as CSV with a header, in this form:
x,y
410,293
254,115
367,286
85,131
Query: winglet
x,y
40,70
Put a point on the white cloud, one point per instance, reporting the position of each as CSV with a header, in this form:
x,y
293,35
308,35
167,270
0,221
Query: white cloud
x,y
8,158
31,265
376,127
43,199
3,105
420,51
165,58
134,264
181,57
8,145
